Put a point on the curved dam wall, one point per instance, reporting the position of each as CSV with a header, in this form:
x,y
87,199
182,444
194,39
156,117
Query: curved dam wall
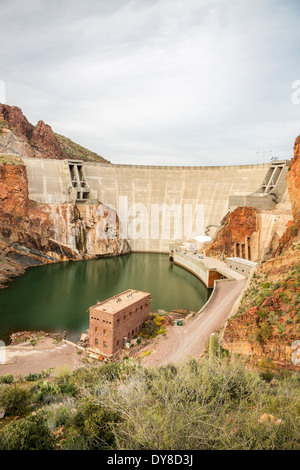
x,y
156,205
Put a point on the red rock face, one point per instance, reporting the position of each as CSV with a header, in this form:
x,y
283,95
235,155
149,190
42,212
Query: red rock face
x,y
237,225
13,191
45,141
21,221
37,141
16,119
293,183
33,233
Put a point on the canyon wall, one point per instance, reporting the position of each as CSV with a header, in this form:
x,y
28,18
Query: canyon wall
x,y
21,138
266,325
250,233
293,183
32,233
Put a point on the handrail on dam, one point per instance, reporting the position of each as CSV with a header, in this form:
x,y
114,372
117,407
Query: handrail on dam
x,y
177,167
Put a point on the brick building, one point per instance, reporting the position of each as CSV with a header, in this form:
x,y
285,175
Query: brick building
x,y
117,320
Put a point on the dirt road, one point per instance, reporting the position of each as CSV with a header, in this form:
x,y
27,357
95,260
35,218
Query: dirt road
x,y
179,343
24,358
190,339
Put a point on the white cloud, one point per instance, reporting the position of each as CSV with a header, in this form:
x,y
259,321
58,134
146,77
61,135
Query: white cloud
x,y
159,81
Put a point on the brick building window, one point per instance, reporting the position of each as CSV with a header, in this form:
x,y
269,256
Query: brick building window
x,y
104,344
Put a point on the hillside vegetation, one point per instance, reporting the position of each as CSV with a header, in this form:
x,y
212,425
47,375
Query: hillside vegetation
x,y
78,152
214,404
267,324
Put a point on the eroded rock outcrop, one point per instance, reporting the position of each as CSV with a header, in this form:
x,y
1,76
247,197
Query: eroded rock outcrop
x,y
266,327
293,183
236,227
32,233
249,233
19,137
44,140
14,116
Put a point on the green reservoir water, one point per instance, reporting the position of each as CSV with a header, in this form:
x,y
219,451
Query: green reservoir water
x,y
57,297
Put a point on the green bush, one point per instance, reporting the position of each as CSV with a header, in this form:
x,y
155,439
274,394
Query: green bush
x,y
266,285
94,422
6,379
14,400
206,404
29,433
263,332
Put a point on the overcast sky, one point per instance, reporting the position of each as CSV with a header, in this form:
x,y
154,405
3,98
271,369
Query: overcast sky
x,y
162,82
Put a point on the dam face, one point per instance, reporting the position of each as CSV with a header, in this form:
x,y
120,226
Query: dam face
x,y
156,205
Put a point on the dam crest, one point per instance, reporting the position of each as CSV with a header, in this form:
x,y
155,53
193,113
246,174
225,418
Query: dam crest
x,y
158,205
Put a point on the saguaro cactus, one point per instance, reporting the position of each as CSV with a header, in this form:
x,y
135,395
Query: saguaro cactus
x,y
212,345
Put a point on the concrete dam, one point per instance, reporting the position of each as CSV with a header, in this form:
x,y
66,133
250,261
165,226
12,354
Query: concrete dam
x,y
158,205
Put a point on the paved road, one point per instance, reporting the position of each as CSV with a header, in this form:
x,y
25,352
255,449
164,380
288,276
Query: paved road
x,y
190,339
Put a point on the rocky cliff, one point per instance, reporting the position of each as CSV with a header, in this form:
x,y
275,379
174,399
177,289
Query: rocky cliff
x,y
250,233
266,327
19,137
293,183
32,233
235,228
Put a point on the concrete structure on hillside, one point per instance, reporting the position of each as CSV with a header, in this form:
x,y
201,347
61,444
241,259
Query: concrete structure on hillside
x,y
117,320
270,191
208,270
242,266
157,205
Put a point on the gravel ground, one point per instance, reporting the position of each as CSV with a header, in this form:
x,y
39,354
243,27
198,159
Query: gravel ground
x,y
46,354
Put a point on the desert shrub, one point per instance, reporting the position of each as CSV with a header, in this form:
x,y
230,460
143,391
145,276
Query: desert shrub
x,y
6,379
263,312
273,318
46,392
14,399
285,299
94,422
263,332
183,407
30,433
60,414
153,326
266,285
36,376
